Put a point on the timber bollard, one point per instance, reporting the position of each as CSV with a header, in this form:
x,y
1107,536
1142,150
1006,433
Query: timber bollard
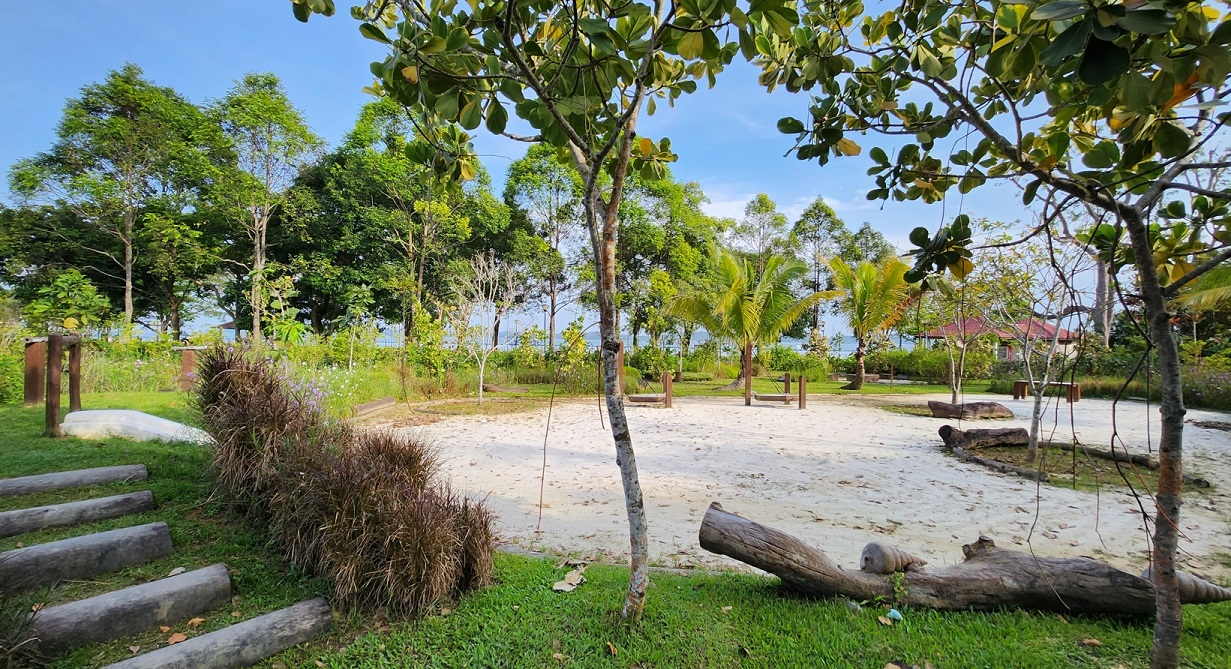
x,y
667,378
36,361
803,391
188,365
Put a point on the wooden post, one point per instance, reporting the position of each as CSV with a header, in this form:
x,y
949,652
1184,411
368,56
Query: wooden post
x,y
55,355
188,368
786,383
667,389
803,391
36,361
74,375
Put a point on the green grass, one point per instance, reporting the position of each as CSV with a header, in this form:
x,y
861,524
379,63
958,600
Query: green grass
x,y
520,622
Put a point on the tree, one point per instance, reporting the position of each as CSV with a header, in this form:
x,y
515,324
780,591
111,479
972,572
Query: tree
x,y
1101,105
816,234
752,308
486,294
70,302
123,146
873,298
761,233
271,142
580,74
545,191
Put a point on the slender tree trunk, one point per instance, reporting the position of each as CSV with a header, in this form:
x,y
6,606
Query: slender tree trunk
x,y
260,222
551,328
128,269
861,349
746,366
1168,621
496,332
1102,302
482,369
176,319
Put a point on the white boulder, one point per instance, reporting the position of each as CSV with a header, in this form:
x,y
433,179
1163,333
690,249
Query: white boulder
x,y
127,424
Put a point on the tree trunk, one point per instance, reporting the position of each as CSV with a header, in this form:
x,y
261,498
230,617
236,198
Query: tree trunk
x,y
551,328
258,271
496,332
991,578
128,270
747,373
603,240
861,349
1165,653
482,369
1102,302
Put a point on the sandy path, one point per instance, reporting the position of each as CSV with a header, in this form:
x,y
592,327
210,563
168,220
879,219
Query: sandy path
x,y
837,475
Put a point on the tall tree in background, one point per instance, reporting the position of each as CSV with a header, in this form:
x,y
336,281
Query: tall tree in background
x,y
873,298
1103,105
580,74
816,235
761,233
547,192
123,145
271,142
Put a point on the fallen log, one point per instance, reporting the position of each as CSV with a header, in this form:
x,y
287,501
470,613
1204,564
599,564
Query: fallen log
x,y
1002,467
20,521
242,644
82,558
990,578
969,410
25,485
972,439
131,610
490,388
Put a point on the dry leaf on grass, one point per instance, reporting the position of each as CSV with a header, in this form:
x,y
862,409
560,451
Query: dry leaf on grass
x,y
176,638
319,663
885,621
37,607
134,649
196,622
164,629
557,656
236,614
726,608
571,581
177,571
611,648
1090,643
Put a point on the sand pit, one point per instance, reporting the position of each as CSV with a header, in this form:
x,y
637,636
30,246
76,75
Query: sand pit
x,y
838,475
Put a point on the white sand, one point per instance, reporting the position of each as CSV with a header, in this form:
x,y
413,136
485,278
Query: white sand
x,y
838,475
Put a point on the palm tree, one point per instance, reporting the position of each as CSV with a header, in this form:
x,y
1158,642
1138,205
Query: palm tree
x,y
873,298
748,308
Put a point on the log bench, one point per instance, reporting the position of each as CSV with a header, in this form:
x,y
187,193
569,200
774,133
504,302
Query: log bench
x,y
785,398
1072,391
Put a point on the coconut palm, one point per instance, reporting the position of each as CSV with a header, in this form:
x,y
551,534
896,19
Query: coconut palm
x,y
873,298
749,308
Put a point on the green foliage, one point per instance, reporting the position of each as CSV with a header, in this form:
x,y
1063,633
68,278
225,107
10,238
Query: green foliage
x,y
425,344
872,297
652,361
71,302
530,343
572,359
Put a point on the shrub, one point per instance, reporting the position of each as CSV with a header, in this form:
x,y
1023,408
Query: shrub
x,y
698,376
652,361
365,509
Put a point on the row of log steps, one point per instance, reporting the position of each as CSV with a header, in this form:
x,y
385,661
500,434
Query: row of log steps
x,y
137,608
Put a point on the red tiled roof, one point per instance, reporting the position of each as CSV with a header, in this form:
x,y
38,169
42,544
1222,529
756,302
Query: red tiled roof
x,y
975,327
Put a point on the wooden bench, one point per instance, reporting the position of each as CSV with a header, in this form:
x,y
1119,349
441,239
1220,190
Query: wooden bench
x,y
785,398
1072,391
655,398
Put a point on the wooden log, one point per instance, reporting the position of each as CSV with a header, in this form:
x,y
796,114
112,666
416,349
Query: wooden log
x,y
82,557
990,578
26,485
972,439
21,521
242,644
878,558
969,410
131,610
372,407
1002,467
489,388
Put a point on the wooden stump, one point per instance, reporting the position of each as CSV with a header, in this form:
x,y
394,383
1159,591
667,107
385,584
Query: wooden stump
x,y
973,439
990,578
969,410
131,610
21,521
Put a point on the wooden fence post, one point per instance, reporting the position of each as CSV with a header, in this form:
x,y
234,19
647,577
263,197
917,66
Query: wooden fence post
x,y
36,376
74,375
667,389
786,383
55,355
803,391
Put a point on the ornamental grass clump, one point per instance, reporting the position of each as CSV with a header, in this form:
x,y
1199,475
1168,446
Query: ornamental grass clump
x,y
366,509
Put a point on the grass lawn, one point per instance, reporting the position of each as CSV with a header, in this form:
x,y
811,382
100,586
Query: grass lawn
x,y
692,620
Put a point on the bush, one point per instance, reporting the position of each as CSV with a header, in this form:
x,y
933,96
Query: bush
x,y
364,509
651,361
698,376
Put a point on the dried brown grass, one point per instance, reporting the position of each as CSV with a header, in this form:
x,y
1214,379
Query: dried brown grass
x,y
367,509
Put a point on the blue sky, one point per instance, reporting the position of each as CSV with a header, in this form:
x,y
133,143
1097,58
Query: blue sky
x,y
725,137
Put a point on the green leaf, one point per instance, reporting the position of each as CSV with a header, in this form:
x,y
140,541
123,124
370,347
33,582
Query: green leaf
x,y
1171,140
690,45
592,26
764,47
1102,62
1221,34
373,33
920,237
1058,10
790,126
301,11
434,45
471,115
497,117
457,39
1147,21
1031,189
877,154
446,106
1104,155
1066,43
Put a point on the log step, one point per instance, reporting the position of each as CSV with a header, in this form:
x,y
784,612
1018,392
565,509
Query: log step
x,y
242,644
82,557
79,477
131,610
21,521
